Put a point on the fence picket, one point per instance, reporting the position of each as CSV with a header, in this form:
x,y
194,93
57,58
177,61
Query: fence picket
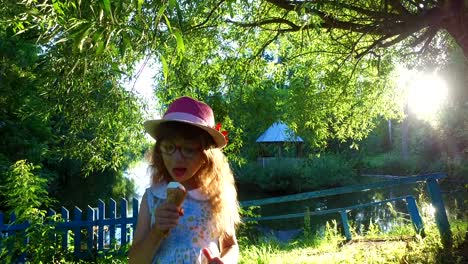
x,y
123,221
112,217
77,213
11,221
51,212
2,219
90,230
101,217
66,219
135,209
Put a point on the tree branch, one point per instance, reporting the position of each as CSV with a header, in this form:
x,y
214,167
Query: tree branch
x,y
293,27
430,36
397,6
399,38
429,33
267,43
209,15
376,43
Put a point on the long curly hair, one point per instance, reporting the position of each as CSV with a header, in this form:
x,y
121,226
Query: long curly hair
x,y
215,177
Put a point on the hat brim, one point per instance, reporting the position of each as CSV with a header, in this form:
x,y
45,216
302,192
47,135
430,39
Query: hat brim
x,y
152,126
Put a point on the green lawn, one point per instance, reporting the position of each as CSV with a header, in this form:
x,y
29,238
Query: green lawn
x,y
388,248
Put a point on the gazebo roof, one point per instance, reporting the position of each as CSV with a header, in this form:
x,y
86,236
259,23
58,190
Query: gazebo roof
x,y
278,132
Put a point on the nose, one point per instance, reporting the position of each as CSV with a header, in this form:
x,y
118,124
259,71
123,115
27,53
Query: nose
x,y
178,154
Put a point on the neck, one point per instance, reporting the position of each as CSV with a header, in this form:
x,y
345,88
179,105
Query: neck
x,y
192,183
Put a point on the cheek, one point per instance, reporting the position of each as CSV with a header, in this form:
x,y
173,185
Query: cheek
x,y
166,161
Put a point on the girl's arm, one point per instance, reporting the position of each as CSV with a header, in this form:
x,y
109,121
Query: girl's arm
x,y
229,248
142,250
144,245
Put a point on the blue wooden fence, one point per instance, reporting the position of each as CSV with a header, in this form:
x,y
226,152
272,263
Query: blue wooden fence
x,y
103,232
432,185
105,227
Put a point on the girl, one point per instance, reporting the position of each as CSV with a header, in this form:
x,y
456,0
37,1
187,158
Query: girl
x,y
188,150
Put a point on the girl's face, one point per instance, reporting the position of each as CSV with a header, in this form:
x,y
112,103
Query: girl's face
x,y
183,159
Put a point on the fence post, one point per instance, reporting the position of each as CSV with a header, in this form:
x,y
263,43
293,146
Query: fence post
x,y
440,214
66,219
135,216
90,230
2,219
344,220
112,216
77,213
415,216
12,220
123,221
101,217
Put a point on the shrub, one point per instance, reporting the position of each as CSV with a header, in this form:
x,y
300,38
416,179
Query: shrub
x,y
393,164
326,171
25,197
298,175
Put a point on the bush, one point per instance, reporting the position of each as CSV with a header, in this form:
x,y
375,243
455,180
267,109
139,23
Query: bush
x,y
25,196
393,164
298,175
326,171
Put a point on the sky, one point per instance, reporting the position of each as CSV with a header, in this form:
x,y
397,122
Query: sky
x,y
143,86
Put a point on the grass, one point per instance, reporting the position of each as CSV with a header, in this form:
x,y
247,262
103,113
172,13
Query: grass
x,y
402,245
383,248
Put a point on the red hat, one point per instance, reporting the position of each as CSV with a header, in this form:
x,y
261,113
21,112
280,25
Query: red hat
x,y
190,111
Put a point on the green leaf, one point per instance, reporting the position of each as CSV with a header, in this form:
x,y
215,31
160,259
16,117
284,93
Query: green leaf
x,y
107,7
100,47
83,38
139,6
165,68
168,23
161,11
172,4
180,41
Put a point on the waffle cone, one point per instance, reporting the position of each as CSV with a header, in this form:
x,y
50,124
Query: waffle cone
x,y
176,196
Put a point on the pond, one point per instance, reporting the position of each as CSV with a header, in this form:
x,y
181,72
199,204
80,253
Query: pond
x,y
386,216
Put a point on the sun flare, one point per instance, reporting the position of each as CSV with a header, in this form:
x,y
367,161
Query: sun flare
x,y
425,93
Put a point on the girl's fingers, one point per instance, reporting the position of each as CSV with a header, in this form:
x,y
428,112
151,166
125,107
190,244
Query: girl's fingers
x,y
167,216
168,207
216,260
168,221
209,256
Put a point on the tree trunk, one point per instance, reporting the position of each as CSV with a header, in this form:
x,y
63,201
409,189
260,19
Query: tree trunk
x,y
404,135
456,23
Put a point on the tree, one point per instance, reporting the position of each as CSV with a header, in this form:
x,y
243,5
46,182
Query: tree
x,y
341,82
369,24
59,121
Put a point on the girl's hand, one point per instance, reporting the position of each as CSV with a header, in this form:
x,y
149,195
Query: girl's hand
x,y
211,259
167,216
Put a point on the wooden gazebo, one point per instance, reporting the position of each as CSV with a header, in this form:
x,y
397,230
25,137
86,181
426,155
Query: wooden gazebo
x,y
277,135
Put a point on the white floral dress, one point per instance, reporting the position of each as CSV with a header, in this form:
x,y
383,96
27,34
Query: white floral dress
x,y
193,233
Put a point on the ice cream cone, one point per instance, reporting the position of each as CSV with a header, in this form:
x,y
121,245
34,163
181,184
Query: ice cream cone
x,y
175,195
